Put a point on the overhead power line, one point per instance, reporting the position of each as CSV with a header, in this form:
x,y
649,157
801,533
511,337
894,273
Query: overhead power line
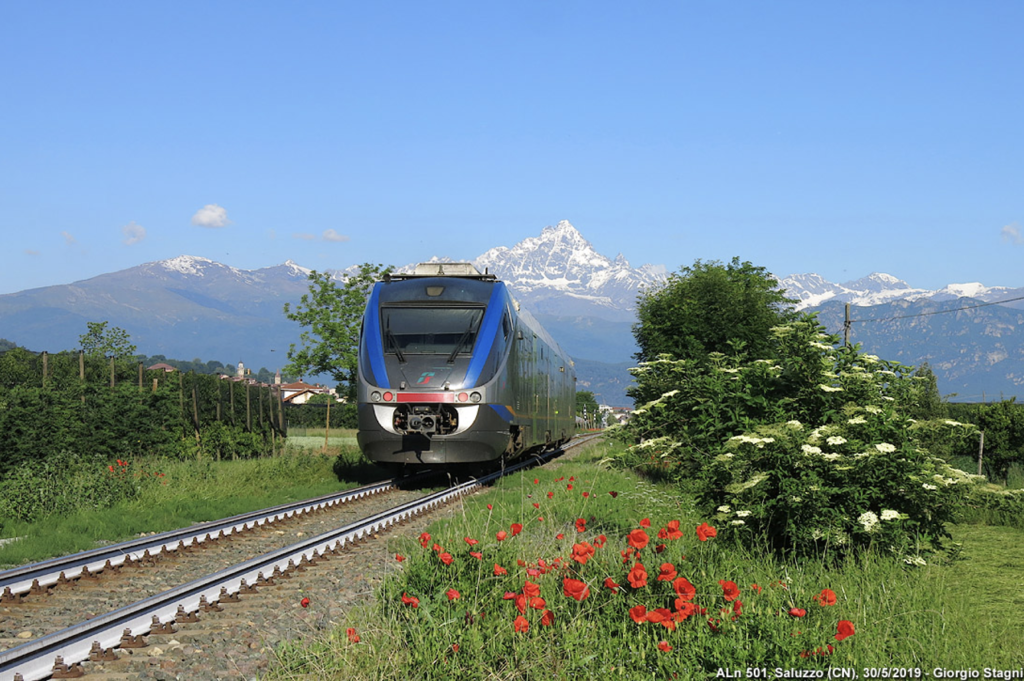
x,y
925,314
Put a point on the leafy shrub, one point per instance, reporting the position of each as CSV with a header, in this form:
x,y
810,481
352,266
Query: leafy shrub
x,y
813,445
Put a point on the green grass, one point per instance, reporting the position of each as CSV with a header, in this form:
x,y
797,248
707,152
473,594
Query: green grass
x,y
188,493
959,614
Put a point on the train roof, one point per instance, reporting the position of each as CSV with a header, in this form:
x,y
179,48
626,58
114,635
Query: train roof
x,y
464,270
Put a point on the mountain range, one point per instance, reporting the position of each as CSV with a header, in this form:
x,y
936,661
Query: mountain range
x,y
189,307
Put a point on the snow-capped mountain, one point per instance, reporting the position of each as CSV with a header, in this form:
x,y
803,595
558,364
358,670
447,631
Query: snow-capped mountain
x,y
878,288
559,272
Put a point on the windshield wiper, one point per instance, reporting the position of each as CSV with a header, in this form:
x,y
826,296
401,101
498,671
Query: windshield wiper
x,y
462,341
394,344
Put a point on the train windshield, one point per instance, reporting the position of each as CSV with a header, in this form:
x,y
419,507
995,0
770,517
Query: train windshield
x,y
429,330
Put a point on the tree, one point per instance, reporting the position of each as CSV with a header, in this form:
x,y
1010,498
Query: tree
x,y
332,313
99,341
711,307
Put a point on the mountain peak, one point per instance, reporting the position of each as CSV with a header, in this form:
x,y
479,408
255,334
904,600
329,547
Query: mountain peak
x,y
187,264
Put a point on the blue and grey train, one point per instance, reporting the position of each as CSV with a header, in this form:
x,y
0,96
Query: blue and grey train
x,y
452,371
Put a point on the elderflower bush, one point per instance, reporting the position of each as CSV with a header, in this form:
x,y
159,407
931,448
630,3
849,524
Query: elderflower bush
x,y
861,481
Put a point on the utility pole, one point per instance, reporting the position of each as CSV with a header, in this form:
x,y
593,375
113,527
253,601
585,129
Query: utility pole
x,y
846,327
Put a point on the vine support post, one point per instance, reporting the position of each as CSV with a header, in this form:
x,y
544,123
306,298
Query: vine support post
x,y
981,450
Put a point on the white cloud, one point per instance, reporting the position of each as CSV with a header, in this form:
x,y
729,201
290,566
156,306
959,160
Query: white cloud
x,y
331,235
68,238
133,233
304,236
211,215
1011,234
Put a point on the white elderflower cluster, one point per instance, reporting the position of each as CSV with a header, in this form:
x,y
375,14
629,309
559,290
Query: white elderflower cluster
x,y
836,440
725,509
885,448
861,455
728,371
831,456
868,520
759,442
857,420
821,346
914,560
810,449
794,424
929,487
737,522
830,389
873,409
950,422
743,514
889,514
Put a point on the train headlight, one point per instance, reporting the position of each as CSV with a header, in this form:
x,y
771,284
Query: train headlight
x,y
375,396
475,397
463,397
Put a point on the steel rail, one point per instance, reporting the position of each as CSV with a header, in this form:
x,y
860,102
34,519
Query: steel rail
x,y
37,659
20,580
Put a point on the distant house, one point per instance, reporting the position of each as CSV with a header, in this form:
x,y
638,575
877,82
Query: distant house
x,y
162,366
300,392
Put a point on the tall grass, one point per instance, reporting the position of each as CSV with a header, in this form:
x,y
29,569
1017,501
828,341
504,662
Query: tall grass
x,y
961,614
176,493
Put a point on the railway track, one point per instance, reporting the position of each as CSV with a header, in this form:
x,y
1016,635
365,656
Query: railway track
x,y
51,625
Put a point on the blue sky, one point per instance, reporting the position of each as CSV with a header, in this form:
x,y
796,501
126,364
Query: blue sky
x,y
838,138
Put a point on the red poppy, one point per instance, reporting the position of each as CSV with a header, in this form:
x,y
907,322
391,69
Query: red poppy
x,y
536,505
538,603
547,618
638,613
844,629
498,570
399,557
664,647
614,494
424,539
662,616
559,536
600,541
551,495
646,522
477,555
683,610
660,548
637,576
111,468
663,533
516,529
638,539
490,507
575,589
304,602
532,590
569,487
684,589
797,612
502,534
521,624
520,562
581,525
536,481
353,637
582,552
667,572
729,590
521,600
826,597
626,555
509,595
737,608
609,583
436,548
446,558
410,600
704,531
453,595
455,647
673,530
540,519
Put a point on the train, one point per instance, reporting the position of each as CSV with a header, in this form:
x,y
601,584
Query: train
x,y
453,372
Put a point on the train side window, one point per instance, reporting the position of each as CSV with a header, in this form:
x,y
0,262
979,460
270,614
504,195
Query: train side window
x,y
506,326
